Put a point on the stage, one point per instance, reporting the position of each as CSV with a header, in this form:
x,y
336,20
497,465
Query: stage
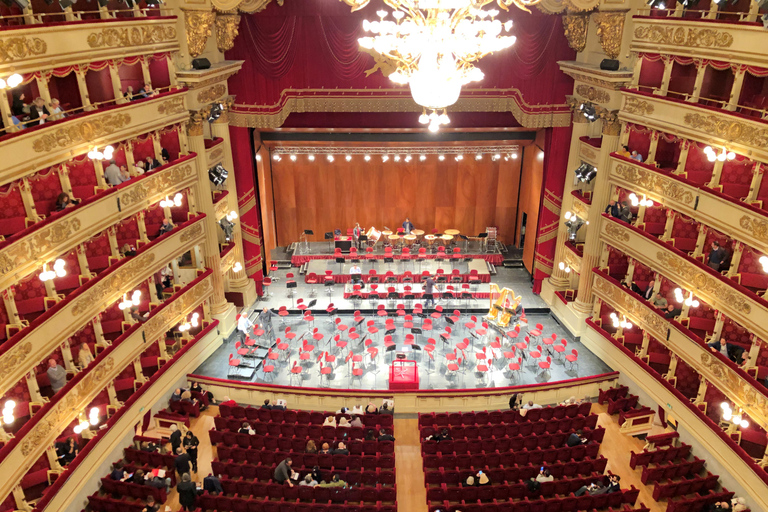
x,y
308,251
398,269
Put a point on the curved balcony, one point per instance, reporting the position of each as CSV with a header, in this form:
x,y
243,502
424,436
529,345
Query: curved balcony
x,y
721,212
728,297
44,427
740,133
52,143
589,150
58,234
734,460
28,347
38,47
739,42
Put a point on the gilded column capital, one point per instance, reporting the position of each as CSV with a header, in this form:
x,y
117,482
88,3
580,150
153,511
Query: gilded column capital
x,y
226,30
610,29
575,26
611,123
195,124
197,25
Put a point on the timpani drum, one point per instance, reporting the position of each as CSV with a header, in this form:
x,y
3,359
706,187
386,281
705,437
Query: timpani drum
x,y
452,232
409,240
394,240
446,240
418,233
430,240
386,233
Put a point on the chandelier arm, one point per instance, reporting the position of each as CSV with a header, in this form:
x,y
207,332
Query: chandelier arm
x,y
356,4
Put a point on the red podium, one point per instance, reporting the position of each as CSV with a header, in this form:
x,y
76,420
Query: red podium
x,y
403,375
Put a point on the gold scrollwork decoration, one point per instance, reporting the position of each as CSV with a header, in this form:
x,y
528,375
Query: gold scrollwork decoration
x,y
15,356
703,283
637,106
728,129
252,6
171,106
655,183
580,209
162,321
575,27
757,227
211,94
215,156
681,36
32,248
195,124
637,311
192,232
17,48
610,28
198,26
157,185
593,93
81,132
617,232
134,36
226,30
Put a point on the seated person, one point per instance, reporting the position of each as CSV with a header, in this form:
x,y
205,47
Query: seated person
x,y
575,439
63,201
341,450
335,482
385,436
659,301
672,311
246,429
597,488
167,226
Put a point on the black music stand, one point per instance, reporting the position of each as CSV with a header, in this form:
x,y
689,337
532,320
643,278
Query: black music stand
x,y
307,232
311,303
329,236
416,331
290,285
389,261
361,240
483,237
340,260
466,242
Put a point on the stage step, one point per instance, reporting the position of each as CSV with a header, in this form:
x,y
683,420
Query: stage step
x,y
513,263
491,268
292,248
283,264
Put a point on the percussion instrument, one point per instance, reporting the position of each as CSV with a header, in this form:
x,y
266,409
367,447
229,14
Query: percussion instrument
x,y
409,240
430,239
373,235
386,233
393,238
452,232
447,239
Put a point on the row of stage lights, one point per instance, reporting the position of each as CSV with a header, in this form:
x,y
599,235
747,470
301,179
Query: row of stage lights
x,y
397,158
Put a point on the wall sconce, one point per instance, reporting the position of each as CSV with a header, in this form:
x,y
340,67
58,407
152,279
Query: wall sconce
x,y
736,419
12,81
237,267
185,326
169,203
95,154
688,301
134,301
8,409
93,416
623,322
712,154
641,202
59,270
232,216
764,263
565,268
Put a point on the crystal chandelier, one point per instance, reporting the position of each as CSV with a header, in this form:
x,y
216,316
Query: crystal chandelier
x,y
434,45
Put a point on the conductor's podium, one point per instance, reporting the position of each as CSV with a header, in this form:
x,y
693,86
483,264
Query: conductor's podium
x,y
403,375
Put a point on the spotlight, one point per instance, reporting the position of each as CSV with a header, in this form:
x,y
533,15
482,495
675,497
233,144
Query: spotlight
x,y
514,156
407,158
497,156
293,158
276,157
311,158
384,158
589,111
459,158
422,158
330,158
397,158
218,175
215,113
227,227
348,158
258,158
441,157
479,156
367,158
573,224
237,267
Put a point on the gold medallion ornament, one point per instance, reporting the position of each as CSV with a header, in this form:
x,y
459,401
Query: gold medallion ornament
x,y
156,186
729,130
575,27
198,26
653,182
134,36
192,232
81,132
610,28
226,30
593,93
17,48
680,36
617,232
637,106
171,106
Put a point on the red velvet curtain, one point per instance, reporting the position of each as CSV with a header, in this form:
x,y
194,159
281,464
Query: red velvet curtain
x,y
314,46
556,148
248,203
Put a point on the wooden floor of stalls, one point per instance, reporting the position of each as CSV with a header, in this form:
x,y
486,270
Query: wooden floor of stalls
x,y
411,493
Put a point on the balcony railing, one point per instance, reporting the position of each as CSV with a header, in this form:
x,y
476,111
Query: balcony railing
x,y
51,143
58,234
16,21
45,426
23,351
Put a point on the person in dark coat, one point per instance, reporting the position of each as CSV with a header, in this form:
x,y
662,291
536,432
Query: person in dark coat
x,y
175,438
190,445
384,436
212,484
283,472
182,462
187,492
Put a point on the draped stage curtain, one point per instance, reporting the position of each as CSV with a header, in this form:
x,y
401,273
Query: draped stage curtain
x,y
248,205
556,148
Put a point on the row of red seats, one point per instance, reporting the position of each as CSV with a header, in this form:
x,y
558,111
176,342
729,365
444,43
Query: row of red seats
x,y
304,493
297,444
522,457
117,488
685,486
508,416
292,416
557,504
242,504
622,404
505,490
154,459
297,429
612,393
571,468
186,408
669,470
254,473
646,457
107,504
505,444
526,506
130,467
698,502
513,429
324,460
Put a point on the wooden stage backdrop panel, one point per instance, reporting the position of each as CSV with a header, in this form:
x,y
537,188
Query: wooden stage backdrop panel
x,y
467,195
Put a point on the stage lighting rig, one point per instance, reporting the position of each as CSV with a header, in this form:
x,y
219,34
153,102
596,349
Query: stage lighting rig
x,y
215,113
228,227
586,172
218,175
573,223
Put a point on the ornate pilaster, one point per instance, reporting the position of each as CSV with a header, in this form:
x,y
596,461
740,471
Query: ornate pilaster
x,y
197,25
610,30
575,26
226,30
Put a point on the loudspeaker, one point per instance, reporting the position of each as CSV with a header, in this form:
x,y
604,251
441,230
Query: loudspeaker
x,y
609,64
201,63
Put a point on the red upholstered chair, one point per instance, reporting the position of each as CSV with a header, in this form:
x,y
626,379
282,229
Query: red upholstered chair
x,y
573,358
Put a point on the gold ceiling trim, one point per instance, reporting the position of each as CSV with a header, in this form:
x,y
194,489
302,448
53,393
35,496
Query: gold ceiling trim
x,y
226,31
343,102
17,48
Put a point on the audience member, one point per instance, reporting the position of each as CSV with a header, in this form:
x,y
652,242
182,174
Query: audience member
x,y
84,356
341,449
719,506
356,421
477,480
386,410
544,476
167,226
137,316
625,152
187,493
284,473
531,405
444,435
613,208
182,462
118,473
336,481
186,396
54,107
197,388
344,422
128,94
371,409
308,481
647,293
717,256
176,395
265,319
672,311
148,447
330,421
659,301
191,442
63,202
246,429
357,410
18,108
370,435
151,163
38,113
317,476
151,505
515,400
127,250
636,156
311,447
325,448
138,168
575,439
212,484
113,176
729,350
228,401
384,436
138,477
597,488
739,504
57,375
625,213
175,438
68,451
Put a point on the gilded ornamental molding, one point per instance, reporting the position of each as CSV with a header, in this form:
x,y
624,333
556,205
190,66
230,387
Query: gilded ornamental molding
x,y
640,314
594,94
617,232
80,132
757,227
655,183
131,36
38,245
681,36
155,185
171,106
17,48
212,93
197,25
634,105
575,27
226,31
610,29
728,129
